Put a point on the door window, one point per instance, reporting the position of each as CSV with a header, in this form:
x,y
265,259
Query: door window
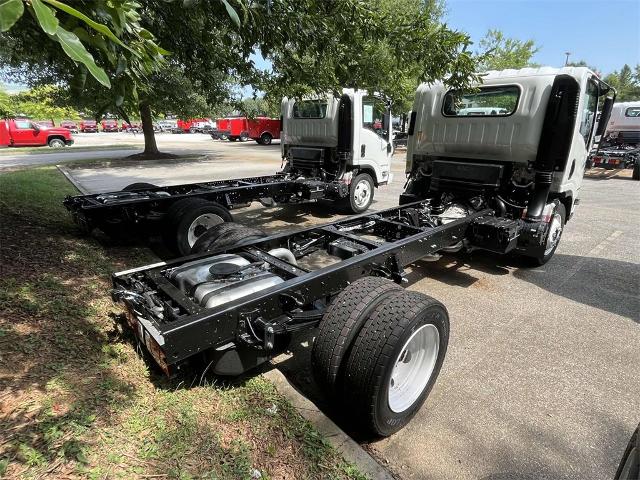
x,y
23,124
374,116
589,109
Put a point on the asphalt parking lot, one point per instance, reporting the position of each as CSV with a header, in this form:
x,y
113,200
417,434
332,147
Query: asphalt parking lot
x,y
541,376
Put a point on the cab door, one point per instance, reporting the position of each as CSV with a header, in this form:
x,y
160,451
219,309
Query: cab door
x,y
25,132
375,149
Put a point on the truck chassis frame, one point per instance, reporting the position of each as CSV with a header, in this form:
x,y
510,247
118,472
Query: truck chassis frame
x,y
185,330
150,204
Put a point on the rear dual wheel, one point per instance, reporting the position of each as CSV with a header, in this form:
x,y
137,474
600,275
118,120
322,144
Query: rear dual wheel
x,y
188,219
382,360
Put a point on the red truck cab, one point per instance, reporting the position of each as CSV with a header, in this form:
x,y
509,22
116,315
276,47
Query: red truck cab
x,y
89,126
110,125
26,133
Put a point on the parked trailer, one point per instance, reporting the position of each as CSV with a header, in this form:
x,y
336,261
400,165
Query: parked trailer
x,y
261,129
237,299
345,172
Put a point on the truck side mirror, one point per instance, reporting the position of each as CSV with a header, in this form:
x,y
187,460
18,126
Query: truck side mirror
x,y
605,115
35,126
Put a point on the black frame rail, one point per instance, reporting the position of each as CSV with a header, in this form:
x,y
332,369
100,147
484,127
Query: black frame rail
x,y
300,299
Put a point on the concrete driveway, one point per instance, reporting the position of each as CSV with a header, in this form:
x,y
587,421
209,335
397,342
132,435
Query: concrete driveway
x,y
541,377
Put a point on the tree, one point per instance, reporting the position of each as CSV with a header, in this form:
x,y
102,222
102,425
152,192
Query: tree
x,y
498,52
100,42
313,45
42,102
626,82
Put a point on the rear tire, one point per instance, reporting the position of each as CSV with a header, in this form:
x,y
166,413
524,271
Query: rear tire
x,y
395,361
266,138
188,219
138,186
225,235
341,324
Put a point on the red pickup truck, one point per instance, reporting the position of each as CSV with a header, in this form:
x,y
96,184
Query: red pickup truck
x,y
88,126
110,126
26,133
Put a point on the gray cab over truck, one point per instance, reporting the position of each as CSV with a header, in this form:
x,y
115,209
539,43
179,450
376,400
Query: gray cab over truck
x,y
505,182
337,149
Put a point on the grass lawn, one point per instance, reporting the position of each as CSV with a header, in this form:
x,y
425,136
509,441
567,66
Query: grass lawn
x,y
76,399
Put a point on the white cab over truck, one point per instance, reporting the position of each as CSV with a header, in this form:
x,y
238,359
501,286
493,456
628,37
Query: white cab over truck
x,y
518,143
503,182
345,140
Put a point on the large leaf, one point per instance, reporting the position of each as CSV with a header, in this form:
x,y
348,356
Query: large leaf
x,y
73,47
46,17
10,12
95,25
232,13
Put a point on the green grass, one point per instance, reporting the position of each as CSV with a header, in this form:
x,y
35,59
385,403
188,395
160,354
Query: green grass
x,y
83,403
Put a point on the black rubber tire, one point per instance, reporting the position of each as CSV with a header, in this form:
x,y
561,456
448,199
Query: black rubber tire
x,y
224,137
233,139
138,186
243,137
181,215
541,258
341,324
629,467
636,172
56,143
225,235
266,139
373,356
349,202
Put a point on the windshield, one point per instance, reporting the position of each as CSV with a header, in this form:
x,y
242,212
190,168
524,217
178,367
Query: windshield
x,y
632,112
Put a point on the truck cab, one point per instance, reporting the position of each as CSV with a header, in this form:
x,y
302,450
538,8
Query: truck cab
x,y
346,140
518,143
26,133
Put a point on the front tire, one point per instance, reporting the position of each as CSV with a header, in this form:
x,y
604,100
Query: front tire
x,y
553,236
395,361
361,193
56,143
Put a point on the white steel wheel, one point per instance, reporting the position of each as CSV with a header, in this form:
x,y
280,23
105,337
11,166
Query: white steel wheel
x,y
362,193
555,231
413,368
200,225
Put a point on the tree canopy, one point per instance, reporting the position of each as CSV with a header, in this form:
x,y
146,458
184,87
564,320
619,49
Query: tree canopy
x,y
313,45
626,82
498,52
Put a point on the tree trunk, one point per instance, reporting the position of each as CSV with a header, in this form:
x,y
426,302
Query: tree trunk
x,y
150,146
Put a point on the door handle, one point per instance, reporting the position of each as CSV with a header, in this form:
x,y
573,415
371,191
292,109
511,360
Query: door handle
x,y
363,149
